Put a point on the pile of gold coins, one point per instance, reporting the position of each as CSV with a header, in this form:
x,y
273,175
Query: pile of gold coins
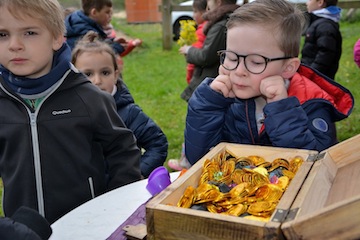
x,y
248,187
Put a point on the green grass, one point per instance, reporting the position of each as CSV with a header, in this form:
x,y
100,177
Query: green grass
x,y
156,79
348,75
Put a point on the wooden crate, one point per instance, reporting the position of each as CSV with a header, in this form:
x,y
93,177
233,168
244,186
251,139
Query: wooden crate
x,y
321,202
328,204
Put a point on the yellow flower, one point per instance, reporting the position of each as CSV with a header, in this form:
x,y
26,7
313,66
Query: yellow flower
x,y
187,33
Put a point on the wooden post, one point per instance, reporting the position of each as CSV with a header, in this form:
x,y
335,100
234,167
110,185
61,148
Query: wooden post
x,y
166,24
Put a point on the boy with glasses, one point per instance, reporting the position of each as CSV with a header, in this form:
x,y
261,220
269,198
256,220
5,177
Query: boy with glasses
x,y
263,95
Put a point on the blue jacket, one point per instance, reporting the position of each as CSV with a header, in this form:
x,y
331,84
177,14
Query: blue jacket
x,y
25,224
304,120
148,134
78,24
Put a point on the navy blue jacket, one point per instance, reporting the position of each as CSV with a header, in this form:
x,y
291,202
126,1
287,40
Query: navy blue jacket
x,y
25,224
148,134
78,24
10,229
304,120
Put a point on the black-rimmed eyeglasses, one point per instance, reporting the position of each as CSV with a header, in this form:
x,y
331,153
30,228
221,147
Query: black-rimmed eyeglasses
x,y
254,63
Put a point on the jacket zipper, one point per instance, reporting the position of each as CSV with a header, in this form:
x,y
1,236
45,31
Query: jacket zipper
x,y
248,121
35,141
37,164
91,185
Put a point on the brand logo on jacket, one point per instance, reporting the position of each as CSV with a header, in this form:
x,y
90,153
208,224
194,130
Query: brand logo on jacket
x,y
320,124
61,112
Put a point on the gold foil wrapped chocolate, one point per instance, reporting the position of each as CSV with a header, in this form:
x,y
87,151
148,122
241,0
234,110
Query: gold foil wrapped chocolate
x,y
239,186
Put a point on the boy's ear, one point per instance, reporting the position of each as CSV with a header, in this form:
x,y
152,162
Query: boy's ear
x,y
117,75
321,3
290,68
58,42
92,12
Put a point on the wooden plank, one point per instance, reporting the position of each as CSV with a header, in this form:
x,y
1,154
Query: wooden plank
x,y
329,201
339,221
349,4
345,152
314,192
291,193
166,24
346,183
194,224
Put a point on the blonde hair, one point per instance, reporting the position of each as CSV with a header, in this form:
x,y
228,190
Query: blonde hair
x,y
49,12
91,42
284,18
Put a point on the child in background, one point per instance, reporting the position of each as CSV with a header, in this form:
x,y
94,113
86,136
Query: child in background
x,y
205,59
96,60
60,134
96,16
111,34
323,41
93,15
199,8
263,96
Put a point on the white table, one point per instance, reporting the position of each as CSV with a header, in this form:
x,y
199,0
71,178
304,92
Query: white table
x,y
101,216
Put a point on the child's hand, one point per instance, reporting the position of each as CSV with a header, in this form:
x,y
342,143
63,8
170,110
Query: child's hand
x,y
273,88
120,40
222,83
184,49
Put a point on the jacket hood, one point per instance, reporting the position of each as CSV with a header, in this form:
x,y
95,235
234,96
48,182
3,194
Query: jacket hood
x,y
122,96
309,84
71,78
78,24
331,12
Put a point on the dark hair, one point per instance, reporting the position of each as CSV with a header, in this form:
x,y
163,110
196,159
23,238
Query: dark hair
x,y
224,2
69,10
200,5
87,5
92,42
331,2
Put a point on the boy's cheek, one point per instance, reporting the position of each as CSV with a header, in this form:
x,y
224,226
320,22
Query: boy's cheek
x,y
223,71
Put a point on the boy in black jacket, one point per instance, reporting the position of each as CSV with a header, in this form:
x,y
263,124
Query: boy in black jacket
x,y
59,134
322,46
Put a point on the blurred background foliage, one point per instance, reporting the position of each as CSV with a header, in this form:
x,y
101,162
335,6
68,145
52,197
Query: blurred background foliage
x,y
118,4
